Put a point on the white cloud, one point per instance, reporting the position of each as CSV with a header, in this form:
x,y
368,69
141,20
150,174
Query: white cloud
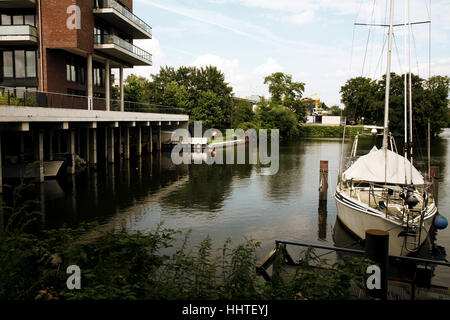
x,y
302,18
268,67
245,81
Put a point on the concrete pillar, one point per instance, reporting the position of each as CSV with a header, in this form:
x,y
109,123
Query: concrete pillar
x,y
90,83
22,147
1,168
126,151
122,94
111,145
58,142
93,148
50,144
159,143
105,149
88,156
120,142
108,85
139,141
71,149
40,155
78,142
150,140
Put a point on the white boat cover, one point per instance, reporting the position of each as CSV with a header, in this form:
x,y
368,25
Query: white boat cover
x,y
370,168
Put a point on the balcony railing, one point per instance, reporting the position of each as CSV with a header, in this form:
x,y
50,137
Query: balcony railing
x,y
104,4
113,39
13,33
14,4
33,98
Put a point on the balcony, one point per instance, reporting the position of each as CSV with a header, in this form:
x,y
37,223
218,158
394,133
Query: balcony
x,y
17,4
117,15
18,35
118,48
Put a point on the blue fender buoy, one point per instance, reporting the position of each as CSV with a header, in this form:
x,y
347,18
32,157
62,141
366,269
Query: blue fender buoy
x,y
440,222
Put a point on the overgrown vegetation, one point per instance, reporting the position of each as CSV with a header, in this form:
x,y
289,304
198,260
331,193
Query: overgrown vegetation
x,y
123,266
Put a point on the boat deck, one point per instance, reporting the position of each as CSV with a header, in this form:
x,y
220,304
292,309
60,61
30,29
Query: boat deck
x,y
395,208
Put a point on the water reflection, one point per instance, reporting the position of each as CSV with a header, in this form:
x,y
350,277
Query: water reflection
x,y
222,201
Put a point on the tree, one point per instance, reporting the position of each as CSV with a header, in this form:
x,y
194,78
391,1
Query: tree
x,y
207,109
359,95
136,89
437,89
364,97
185,87
286,92
335,111
242,112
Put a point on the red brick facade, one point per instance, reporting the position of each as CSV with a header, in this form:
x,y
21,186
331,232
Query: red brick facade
x,y
60,44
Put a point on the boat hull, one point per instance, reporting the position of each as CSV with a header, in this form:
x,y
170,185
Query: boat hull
x,y
51,169
358,221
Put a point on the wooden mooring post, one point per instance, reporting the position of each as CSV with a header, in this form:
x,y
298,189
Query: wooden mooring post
x,y
435,174
377,250
323,181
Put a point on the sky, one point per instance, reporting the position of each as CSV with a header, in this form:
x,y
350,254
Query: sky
x,y
314,41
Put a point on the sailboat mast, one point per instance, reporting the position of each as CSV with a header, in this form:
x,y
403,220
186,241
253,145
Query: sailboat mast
x,y
388,78
410,90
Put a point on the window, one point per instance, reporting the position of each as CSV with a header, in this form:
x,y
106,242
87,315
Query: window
x,y
76,70
27,19
19,64
99,77
6,20
19,60
71,73
82,74
31,64
17,20
30,20
8,71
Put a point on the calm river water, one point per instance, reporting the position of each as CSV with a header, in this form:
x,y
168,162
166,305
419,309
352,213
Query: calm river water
x,y
223,201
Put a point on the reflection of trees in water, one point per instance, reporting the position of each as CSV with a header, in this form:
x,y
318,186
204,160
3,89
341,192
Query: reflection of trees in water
x,y
207,188
279,186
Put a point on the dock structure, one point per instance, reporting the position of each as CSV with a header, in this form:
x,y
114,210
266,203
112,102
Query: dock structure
x,y
57,97
30,134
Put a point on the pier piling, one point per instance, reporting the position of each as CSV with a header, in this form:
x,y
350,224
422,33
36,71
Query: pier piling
x,y
434,174
323,181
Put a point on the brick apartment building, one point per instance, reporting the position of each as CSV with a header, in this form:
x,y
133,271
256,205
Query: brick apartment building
x,y
69,46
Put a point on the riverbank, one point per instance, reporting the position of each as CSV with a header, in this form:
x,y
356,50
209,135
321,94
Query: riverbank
x,y
321,131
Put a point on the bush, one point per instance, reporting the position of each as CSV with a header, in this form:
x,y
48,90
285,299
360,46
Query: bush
x,y
319,131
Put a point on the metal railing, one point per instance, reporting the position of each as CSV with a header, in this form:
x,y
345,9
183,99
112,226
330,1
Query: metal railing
x,y
18,30
103,4
113,39
33,98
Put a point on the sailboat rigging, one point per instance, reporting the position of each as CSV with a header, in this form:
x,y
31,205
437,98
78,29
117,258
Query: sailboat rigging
x,y
382,189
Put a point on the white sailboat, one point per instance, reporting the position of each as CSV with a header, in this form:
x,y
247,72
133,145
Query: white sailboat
x,y
383,190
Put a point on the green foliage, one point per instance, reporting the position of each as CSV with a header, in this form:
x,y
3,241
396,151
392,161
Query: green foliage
x,y
242,112
287,93
334,111
320,131
196,90
124,266
207,109
364,97
135,89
